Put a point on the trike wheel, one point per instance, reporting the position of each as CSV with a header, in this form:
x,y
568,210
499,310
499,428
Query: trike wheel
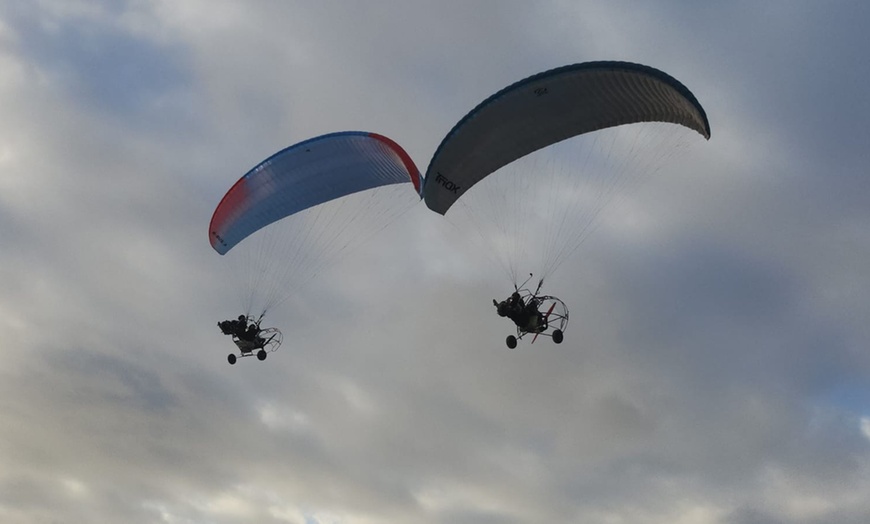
x,y
231,359
261,355
558,336
511,341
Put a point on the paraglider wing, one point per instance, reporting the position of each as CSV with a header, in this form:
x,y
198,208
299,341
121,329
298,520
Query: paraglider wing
x,y
550,107
305,175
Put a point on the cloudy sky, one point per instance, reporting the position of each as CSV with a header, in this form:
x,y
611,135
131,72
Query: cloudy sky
x,y
716,370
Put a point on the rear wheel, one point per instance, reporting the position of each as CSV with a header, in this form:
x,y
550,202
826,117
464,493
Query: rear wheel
x,y
261,355
511,341
231,359
558,336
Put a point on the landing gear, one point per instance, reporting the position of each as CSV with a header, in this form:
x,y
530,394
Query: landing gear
x,y
511,341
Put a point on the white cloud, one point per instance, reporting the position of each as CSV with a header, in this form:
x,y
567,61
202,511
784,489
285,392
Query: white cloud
x,y
278,418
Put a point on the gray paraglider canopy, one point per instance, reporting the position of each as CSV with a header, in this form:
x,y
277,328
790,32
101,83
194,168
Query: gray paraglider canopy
x,y
550,107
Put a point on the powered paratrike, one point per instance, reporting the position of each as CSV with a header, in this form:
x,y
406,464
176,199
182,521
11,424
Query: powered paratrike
x,y
534,313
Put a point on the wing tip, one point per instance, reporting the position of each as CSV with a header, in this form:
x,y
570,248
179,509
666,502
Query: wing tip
x,y
407,161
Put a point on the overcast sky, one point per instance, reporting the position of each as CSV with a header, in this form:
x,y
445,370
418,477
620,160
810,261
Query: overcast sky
x,y
716,370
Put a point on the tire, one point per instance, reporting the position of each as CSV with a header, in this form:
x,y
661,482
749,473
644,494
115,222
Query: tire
x,y
511,341
261,355
558,336
231,359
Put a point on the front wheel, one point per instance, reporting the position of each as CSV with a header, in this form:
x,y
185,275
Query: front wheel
x,y
261,355
558,336
231,359
511,341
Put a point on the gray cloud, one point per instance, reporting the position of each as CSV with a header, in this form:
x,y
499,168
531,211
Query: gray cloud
x,y
714,371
